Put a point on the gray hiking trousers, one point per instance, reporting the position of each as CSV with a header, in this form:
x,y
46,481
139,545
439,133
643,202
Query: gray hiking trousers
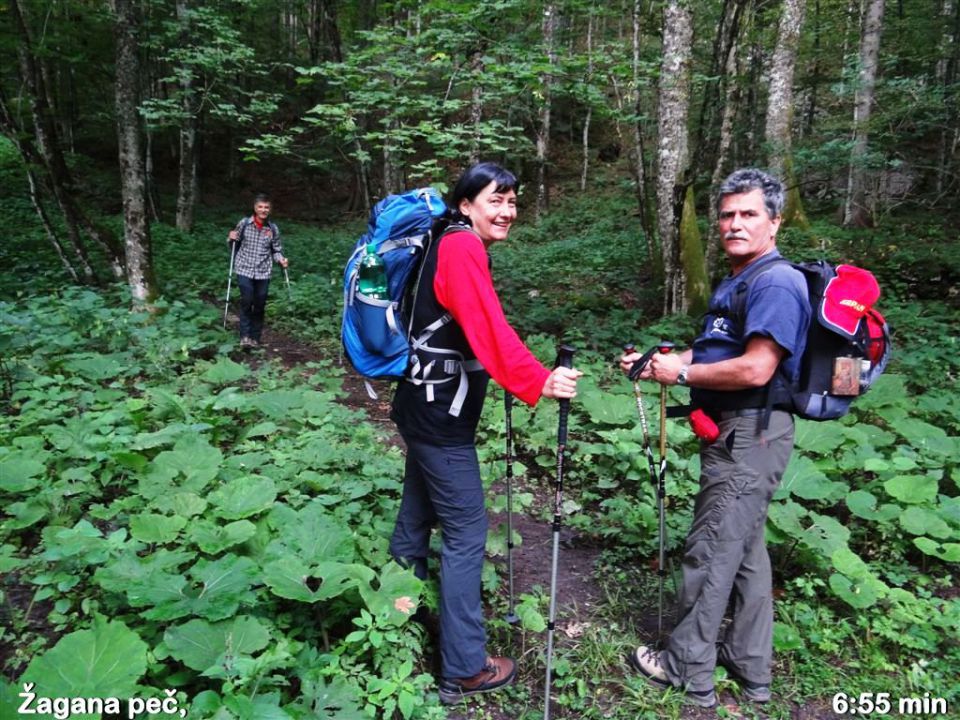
x,y
726,553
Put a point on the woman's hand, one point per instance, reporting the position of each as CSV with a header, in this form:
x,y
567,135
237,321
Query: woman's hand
x,y
561,384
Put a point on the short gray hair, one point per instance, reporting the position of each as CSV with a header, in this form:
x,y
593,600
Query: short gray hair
x,y
746,180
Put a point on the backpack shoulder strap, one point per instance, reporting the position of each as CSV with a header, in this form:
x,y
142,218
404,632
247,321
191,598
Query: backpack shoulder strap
x,y
738,300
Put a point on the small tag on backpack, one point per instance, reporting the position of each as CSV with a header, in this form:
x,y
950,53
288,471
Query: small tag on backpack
x,y
846,376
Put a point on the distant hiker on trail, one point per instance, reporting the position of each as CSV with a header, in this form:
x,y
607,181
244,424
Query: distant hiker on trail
x,y
258,247
442,477
730,369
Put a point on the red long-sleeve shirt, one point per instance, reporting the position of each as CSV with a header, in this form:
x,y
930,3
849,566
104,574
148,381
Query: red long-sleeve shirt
x,y
464,286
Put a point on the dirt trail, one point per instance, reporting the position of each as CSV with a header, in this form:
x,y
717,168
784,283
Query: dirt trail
x,y
578,589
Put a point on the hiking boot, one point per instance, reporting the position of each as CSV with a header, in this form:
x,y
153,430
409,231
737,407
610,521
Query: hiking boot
x,y
246,342
755,692
647,661
497,673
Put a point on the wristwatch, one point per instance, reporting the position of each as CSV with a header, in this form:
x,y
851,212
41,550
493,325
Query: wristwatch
x,y
682,375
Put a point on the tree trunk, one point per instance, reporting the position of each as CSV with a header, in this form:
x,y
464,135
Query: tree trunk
x,y
543,131
696,288
586,121
730,105
45,133
780,107
476,102
136,229
672,148
187,186
856,212
639,172
946,76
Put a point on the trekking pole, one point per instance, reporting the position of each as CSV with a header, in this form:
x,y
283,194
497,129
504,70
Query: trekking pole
x,y
512,617
663,347
657,478
634,375
287,278
233,250
565,359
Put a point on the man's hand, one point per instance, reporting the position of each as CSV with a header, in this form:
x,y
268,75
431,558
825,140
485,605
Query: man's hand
x,y
626,364
232,236
283,262
561,384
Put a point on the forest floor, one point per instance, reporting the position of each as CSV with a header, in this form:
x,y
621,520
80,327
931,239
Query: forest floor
x,y
579,589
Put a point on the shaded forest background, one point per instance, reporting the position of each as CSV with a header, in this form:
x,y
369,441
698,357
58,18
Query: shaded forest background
x,y
332,105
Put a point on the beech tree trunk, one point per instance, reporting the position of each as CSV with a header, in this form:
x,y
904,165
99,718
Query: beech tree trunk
x,y
639,171
543,130
731,103
780,107
133,186
586,121
188,184
857,213
672,149
946,77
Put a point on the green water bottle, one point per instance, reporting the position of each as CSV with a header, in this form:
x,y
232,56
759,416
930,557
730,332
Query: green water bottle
x,y
372,275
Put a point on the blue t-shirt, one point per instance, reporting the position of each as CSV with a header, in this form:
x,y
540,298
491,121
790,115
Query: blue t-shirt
x,y
775,306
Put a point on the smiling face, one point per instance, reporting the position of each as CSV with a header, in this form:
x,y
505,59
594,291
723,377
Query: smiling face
x,y
262,210
746,228
491,213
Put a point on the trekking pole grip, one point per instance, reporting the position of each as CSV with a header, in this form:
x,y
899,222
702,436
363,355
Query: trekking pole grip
x,y
564,359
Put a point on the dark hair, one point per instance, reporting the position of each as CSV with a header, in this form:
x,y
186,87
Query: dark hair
x,y
262,197
746,180
475,179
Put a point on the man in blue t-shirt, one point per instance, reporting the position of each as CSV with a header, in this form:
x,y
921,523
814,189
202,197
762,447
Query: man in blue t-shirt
x,y
752,341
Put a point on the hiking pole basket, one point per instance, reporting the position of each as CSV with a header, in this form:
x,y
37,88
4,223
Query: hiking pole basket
x,y
565,359
226,305
512,617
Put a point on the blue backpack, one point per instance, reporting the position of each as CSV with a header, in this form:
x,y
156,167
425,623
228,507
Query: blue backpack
x,y
374,332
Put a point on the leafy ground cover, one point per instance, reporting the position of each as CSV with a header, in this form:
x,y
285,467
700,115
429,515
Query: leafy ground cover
x,y
219,522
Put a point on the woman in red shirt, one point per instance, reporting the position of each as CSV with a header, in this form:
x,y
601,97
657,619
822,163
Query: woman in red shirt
x,y
437,410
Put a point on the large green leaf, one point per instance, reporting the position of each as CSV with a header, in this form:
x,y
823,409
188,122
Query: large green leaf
x,y
913,489
280,404
105,661
261,707
198,644
19,472
332,699
224,371
213,538
311,534
607,407
930,440
864,504
817,437
295,579
787,517
921,521
214,590
859,593
948,552
194,459
824,534
243,497
803,479
153,528
394,595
